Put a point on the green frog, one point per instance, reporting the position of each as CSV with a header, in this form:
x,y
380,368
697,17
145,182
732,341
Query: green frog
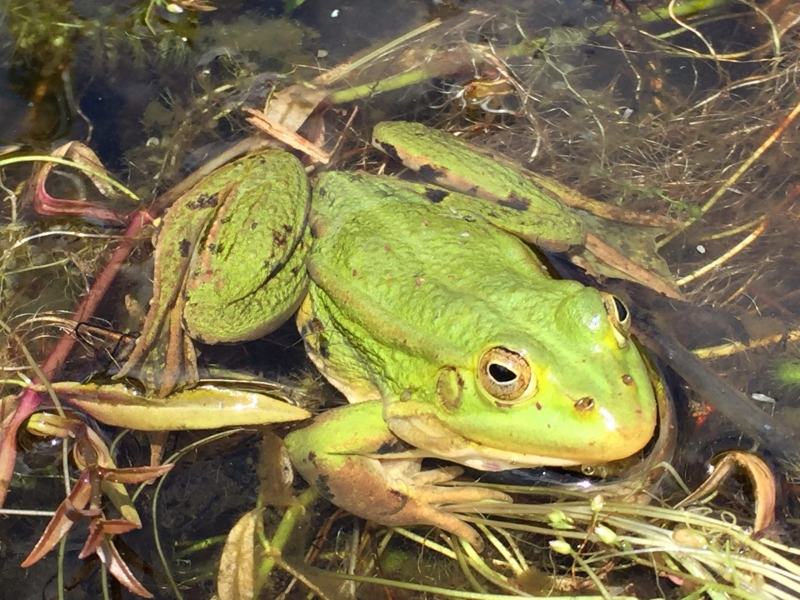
x,y
427,308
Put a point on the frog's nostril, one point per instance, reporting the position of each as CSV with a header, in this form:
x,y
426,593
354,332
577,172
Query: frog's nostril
x,y
584,404
627,379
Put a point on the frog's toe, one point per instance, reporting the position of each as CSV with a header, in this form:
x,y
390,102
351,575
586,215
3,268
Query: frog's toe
x,y
424,513
437,476
425,502
438,495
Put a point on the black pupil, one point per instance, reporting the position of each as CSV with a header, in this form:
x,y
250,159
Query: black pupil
x,y
622,310
501,374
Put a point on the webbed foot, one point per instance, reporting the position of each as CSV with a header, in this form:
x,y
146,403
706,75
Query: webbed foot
x,y
366,470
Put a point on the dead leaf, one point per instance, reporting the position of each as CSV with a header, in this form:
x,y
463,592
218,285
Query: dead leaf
x,y
761,476
236,578
292,105
287,136
89,165
108,554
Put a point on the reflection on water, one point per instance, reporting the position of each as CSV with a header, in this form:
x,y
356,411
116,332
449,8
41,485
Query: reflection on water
x,y
654,114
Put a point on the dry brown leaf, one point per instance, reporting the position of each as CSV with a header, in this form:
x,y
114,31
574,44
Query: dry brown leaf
x,y
61,522
236,577
292,105
108,554
287,136
761,476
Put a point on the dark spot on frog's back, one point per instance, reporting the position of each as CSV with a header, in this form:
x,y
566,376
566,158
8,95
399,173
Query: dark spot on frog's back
x,y
280,237
197,202
322,347
317,326
203,201
435,196
184,247
428,172
313,327
323,488
391,151
393,447
515,202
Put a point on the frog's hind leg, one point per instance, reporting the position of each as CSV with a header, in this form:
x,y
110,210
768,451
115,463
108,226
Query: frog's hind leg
x,y
353,459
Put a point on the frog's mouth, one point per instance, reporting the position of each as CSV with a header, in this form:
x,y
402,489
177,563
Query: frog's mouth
x,y
485,458
433,439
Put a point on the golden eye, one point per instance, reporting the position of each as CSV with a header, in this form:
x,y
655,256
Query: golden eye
x,y
619,316
505,375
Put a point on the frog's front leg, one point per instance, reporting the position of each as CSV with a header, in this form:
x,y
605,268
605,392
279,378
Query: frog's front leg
x,y
356,462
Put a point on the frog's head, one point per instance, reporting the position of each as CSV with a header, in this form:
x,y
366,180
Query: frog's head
x,y
559,382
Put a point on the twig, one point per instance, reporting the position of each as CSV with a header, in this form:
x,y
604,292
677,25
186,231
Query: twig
x,y
731,181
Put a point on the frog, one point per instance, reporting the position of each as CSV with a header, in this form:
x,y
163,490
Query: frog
x,y
430,310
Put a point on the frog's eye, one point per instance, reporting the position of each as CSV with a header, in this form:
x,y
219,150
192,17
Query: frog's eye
x,y
506,375
619,316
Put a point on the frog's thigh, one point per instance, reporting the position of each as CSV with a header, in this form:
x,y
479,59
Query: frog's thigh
x,y
213,317
329,454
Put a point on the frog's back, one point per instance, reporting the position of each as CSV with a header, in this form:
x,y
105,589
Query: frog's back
x,y
390,254
370,229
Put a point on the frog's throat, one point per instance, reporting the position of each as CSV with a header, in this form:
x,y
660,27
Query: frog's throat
x,y
433,439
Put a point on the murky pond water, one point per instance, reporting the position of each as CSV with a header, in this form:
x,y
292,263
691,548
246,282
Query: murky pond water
x,y
683,113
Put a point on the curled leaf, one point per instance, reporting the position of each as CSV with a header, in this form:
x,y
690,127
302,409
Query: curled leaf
x,y
86,161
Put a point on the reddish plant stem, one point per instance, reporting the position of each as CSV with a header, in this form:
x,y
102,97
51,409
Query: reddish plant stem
x,y
30,400
90,301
